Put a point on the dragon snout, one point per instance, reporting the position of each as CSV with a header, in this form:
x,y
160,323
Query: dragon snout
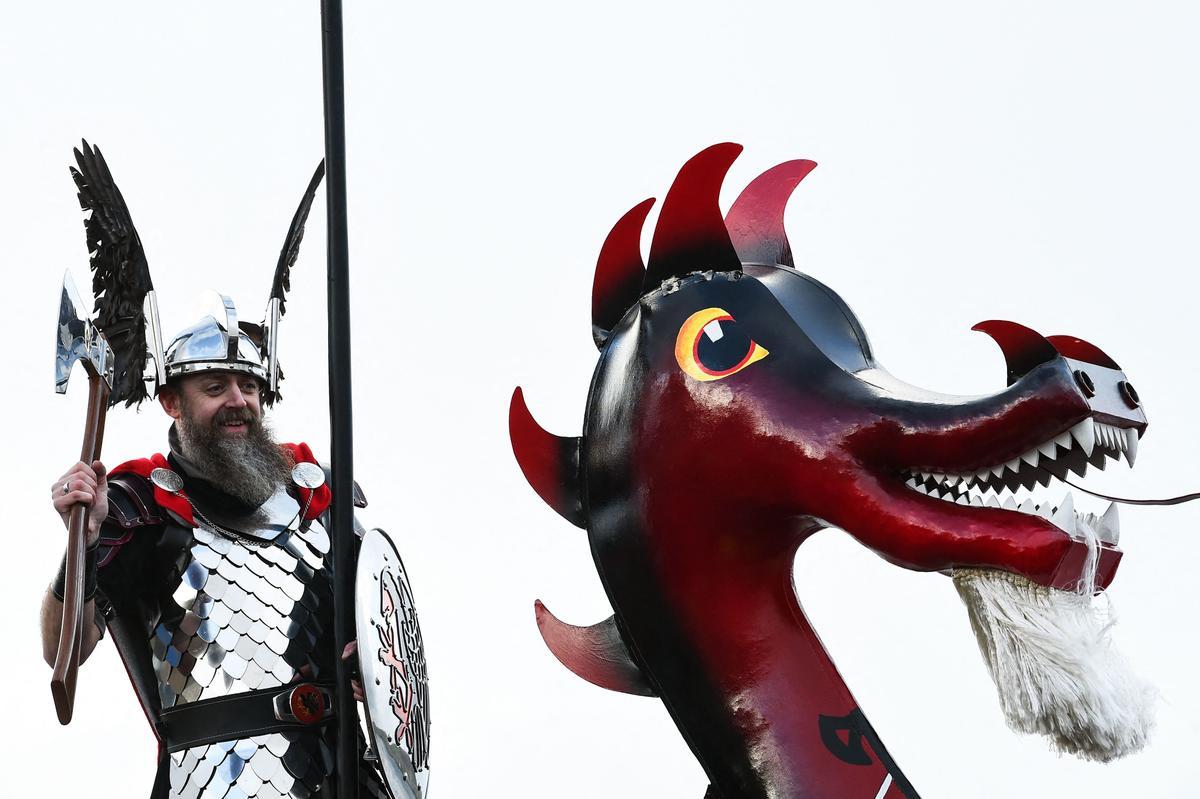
x,y
1110,395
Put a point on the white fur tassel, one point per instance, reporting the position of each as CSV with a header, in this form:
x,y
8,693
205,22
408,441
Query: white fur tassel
x,y
1054,667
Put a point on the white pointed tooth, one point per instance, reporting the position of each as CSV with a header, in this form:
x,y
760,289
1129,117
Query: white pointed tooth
x,y
911,482
977,500
1119,438
1010,502
982,475
926,475
1109,526
1014,465
1085,434
1049,449
998,470
993,501
1063,440
1031,457
1064,517
1027,506
1131,445
1046,511
952,479
962,500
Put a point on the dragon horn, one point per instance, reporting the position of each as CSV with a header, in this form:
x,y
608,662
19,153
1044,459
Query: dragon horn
x,y
755,221
1023,347
690,235
1080,350
619,272
595,653
550,463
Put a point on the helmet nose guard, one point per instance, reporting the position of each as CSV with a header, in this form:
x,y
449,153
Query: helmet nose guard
x,y
215,345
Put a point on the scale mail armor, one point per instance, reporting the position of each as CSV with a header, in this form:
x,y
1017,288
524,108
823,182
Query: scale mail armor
x,y
250,621
244,609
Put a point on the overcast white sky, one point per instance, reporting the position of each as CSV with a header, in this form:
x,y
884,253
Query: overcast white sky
x,y
1025,161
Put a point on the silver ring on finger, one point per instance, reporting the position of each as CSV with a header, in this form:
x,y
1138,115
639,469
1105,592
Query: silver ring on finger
x,y
66,489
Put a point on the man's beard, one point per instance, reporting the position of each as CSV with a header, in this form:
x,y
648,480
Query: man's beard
x,y
249,467
1054,666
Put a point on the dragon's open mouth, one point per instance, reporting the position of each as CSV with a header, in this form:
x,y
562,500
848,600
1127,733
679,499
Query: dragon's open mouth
x,y
1032,483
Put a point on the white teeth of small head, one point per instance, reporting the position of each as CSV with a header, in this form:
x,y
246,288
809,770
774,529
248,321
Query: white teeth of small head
x,y
1085,434
1064,517
1087,443
1109,526
1131,444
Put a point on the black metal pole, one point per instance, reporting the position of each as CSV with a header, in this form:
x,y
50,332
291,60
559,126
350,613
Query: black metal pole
x,y
341,428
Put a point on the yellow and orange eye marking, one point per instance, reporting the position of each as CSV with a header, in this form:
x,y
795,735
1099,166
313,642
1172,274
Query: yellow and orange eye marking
x,y
712,326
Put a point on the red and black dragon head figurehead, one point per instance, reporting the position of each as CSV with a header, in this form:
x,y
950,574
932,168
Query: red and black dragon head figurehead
x,y
736,409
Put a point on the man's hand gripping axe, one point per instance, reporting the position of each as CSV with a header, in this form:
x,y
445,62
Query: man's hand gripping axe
x,y
78,340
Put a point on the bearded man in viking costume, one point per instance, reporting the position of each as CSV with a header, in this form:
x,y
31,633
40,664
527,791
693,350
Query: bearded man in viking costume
x,y
210,566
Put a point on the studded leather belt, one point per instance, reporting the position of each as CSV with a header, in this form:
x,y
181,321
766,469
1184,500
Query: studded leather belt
x,y
227,718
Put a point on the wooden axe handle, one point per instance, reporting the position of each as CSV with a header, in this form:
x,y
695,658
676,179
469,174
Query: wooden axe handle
x,y
70,638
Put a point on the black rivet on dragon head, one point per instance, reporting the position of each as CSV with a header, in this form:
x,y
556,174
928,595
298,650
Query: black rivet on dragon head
x,y
1129,394
1085,383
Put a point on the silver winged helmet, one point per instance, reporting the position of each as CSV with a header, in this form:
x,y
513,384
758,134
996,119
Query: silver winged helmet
x,y
127,306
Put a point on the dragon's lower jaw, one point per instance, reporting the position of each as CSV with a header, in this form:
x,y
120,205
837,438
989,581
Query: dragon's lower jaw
x,y
1033,483
1054,667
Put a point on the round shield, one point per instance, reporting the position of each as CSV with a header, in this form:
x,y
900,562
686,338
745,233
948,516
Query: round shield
x,y
392,662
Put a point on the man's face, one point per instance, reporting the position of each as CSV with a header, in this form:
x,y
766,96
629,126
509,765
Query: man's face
x,y
226,402
218,416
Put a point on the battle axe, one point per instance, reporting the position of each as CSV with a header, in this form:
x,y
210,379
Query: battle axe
x,y
114,348
78,340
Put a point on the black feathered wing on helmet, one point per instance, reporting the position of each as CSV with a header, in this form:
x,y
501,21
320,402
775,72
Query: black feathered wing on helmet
x,y
126,306
276,305
120,274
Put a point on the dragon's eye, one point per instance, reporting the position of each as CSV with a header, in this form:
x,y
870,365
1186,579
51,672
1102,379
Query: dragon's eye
x,y
711,345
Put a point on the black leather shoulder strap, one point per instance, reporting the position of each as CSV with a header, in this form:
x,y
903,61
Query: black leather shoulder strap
x,y
131,506
131,502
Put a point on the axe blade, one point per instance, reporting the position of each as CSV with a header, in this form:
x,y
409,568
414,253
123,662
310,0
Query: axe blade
x,y
78,339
